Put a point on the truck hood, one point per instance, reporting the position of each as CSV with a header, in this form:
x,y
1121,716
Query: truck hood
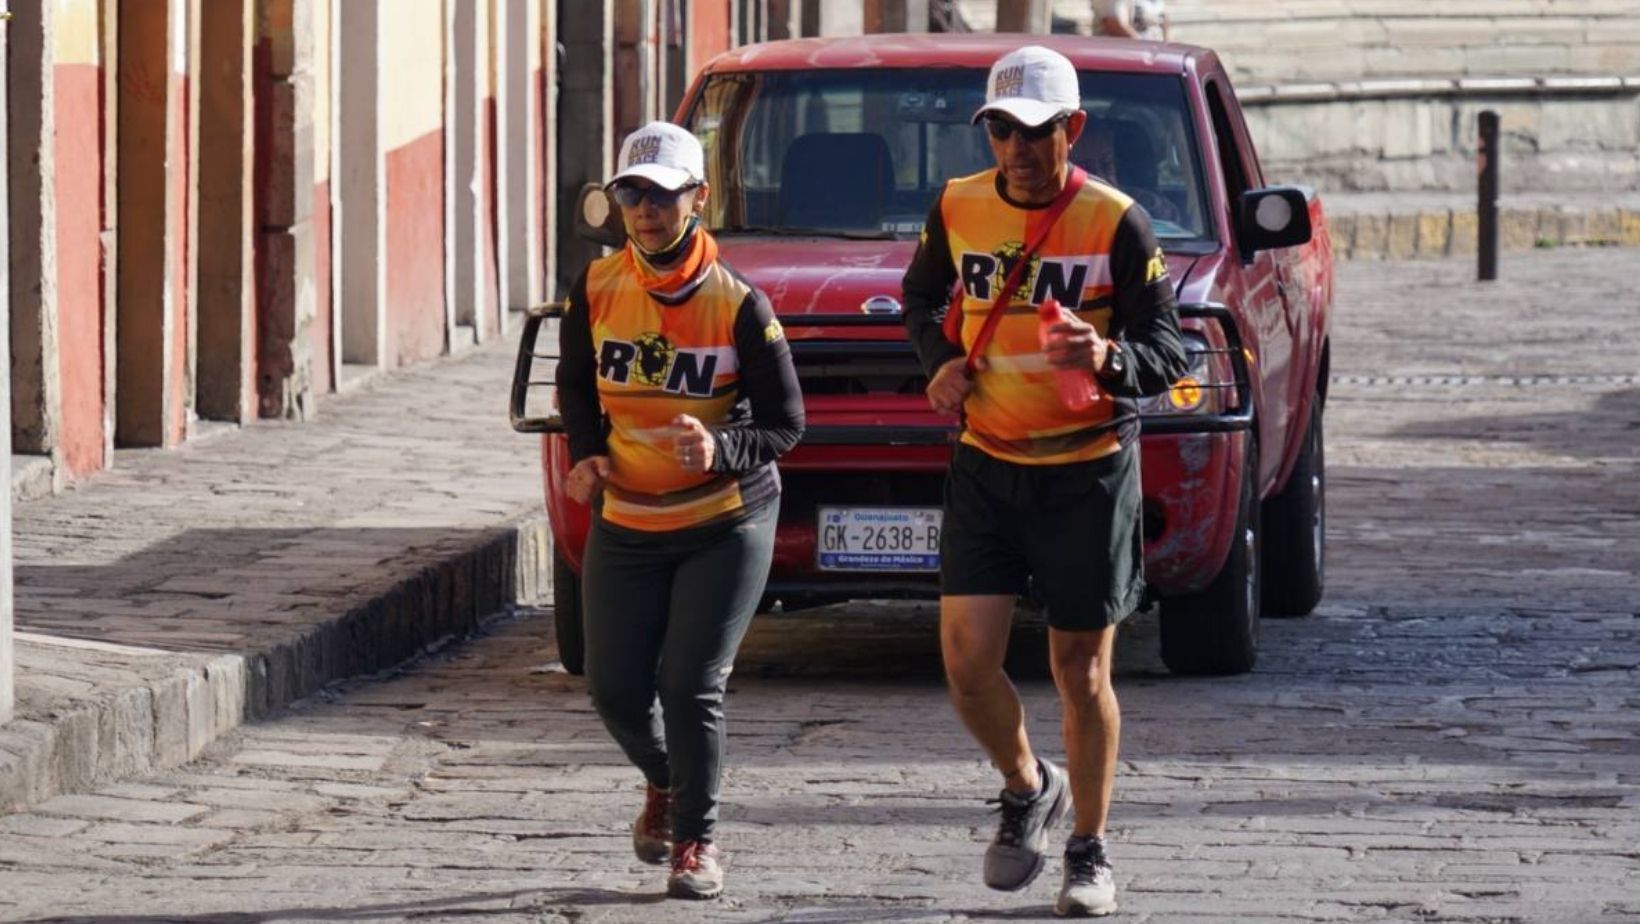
x,y
823,275
819,275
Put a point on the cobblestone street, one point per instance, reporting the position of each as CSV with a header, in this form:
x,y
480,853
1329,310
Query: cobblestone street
x,y
1453,737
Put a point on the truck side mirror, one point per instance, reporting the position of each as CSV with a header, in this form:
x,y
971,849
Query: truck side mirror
x,y
597,219
1272,218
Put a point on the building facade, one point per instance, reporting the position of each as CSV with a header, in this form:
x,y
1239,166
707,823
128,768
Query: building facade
x,y
224,210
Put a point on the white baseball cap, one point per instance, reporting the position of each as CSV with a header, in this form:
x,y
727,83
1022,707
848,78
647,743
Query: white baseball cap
x,y
1031,85
663,154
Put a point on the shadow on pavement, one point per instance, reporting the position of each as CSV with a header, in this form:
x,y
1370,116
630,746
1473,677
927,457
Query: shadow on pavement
x,y
1608,429
526,901
848,914
901,642
239,590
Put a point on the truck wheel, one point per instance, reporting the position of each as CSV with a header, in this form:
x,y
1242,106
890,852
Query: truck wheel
x,y
1215,631
1295,530
566,615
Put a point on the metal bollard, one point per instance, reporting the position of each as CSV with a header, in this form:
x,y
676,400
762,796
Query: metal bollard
x,y
1486,210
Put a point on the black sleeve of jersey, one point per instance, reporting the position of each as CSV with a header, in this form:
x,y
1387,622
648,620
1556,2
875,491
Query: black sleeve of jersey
x,y
577,379
1144,312
925,293
769,382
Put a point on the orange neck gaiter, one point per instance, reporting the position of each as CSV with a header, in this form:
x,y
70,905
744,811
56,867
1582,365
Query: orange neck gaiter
x,y
699,254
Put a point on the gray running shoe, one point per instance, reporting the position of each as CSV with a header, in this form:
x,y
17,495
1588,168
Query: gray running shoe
x,y
1018,853
1089,891
696,872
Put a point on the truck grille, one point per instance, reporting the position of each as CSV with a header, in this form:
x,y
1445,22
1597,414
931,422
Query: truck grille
x,y
857,367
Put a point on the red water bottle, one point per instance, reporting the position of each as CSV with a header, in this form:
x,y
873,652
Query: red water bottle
x,y
1076,386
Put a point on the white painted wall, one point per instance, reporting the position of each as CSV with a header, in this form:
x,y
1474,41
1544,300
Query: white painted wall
x,y
520,193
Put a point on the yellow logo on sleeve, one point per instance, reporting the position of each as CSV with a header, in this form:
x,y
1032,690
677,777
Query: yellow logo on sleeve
x,y
773,332
1156,268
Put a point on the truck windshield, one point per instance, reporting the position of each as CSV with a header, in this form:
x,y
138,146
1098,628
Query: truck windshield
x,y
863,152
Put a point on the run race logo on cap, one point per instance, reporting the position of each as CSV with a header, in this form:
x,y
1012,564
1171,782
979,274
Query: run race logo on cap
x,y
663,154
645,150
1031,85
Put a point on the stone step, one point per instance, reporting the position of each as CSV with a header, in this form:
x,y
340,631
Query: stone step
x,y
167,601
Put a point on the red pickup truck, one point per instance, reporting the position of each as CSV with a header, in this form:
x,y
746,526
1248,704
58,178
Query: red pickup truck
x,y
824,156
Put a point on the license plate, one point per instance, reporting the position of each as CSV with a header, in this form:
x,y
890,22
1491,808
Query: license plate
x,y
879,538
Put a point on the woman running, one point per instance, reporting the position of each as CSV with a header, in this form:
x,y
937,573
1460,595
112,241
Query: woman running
x,y
678,393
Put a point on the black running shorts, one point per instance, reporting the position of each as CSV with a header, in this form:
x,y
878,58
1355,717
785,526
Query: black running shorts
x,y
1066,534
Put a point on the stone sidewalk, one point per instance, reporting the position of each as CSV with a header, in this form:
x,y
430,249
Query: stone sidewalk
x,y
184,592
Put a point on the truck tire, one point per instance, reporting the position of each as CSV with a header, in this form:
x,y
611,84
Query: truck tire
x,y
1295,530
1214,631
566,615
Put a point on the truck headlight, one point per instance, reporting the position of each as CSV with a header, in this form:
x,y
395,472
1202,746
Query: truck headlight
x,y
1185,395
1193,392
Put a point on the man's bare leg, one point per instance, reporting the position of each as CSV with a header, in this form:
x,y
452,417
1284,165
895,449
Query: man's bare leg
x,y
974,637
974,640
1091,719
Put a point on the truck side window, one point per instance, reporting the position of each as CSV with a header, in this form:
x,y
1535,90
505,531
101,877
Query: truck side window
x,y
1235,172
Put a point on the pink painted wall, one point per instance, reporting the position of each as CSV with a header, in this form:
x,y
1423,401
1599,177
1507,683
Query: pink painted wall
x,y
708,32
415,250
412,82
80,319
179,194
323,322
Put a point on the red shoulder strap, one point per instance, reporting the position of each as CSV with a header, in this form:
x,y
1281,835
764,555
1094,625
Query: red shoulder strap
x,y
1073,185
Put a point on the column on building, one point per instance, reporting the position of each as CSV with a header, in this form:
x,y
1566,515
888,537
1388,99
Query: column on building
x,y
153,393
470,246
324,347
545,83
226,387
1023,15
833,17
586,140
659,46
35,390
711,33
637,95
520,152
284,205
359,193
86,437
896,15
8,682
61,243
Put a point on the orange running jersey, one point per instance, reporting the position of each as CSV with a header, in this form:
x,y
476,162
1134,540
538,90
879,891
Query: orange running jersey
x,y
1014,412
654,362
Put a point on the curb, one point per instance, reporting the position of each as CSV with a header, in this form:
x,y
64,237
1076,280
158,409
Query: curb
x,y
1437,232
168,721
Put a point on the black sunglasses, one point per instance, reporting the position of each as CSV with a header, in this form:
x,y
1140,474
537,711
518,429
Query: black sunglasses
x,y
1002,129
628,195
